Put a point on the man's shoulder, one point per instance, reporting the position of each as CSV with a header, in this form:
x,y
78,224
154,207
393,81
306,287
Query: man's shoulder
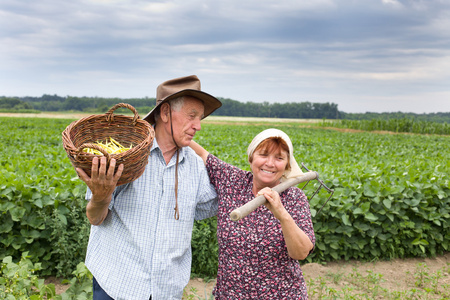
x,y
192,158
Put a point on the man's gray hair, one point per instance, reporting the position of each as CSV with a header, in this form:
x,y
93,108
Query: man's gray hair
x,y
176,104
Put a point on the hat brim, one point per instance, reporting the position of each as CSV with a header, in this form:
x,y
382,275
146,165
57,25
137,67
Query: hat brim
x,y
210,103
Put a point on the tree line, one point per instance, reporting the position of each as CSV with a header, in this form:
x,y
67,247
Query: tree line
x,y
291,110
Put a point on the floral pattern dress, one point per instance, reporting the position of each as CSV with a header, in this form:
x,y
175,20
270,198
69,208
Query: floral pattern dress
x,y
253,258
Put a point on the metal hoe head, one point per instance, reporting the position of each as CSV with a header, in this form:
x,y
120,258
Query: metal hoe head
x,y
321,185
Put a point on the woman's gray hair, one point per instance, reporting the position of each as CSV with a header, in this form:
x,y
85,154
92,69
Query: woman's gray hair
x,y
176,104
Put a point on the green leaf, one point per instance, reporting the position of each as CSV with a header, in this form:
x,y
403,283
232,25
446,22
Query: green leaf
x,y
346,220
369,191
358,211
63,219
38,203
17,213
371,217
387,203
365,207
390,216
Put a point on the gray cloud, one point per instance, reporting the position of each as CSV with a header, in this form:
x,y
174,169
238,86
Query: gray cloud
x,y
366,55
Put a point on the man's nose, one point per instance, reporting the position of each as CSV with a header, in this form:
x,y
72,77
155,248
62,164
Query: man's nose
x,y
197,124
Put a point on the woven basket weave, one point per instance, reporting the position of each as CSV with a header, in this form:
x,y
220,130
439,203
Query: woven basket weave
x,y
124,129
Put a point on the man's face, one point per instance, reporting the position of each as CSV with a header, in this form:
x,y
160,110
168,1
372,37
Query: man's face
x,y
186,122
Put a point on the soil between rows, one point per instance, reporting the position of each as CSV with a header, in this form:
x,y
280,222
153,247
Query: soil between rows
x,y
397,275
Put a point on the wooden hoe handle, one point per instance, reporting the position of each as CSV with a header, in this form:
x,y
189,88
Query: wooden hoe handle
x,y
250,206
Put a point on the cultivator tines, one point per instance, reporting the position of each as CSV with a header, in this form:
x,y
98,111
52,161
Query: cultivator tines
x,y
321,185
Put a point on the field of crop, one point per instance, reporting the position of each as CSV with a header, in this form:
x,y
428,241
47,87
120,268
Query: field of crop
x,y
391,200
392,192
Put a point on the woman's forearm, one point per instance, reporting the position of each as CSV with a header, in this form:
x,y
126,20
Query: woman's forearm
x,y
298,243
199,150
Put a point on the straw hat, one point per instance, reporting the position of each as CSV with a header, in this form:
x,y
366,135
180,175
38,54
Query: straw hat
x,y
183,86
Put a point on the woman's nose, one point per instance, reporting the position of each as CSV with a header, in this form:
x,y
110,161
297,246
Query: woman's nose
x,y
270,161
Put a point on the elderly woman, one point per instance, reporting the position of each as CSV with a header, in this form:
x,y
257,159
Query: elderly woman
x,y
258,255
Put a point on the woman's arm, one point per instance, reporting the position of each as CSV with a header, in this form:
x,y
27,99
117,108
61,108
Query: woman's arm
x,y
200,151
298,243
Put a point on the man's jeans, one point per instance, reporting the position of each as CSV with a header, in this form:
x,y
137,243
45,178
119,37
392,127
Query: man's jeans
x,y
99,293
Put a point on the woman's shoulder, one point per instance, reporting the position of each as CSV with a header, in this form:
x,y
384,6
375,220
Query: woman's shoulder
x,y
293,190
294,193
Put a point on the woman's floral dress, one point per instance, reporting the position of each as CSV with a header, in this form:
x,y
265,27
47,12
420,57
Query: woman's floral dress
x,y
253,258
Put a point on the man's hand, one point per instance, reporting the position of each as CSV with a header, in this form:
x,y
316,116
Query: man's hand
x,y
102,184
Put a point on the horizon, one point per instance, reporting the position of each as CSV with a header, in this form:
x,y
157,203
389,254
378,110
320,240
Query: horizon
x,y
366,112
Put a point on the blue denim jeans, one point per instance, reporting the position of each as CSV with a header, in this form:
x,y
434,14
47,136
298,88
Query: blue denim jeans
x,y
99,293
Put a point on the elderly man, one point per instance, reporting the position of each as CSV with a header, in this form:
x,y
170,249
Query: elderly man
x,y
140,241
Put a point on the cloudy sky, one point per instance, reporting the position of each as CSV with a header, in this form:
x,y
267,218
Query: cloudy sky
x,y
364,55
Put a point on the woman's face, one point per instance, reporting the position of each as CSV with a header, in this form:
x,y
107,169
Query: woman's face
x,y
268,167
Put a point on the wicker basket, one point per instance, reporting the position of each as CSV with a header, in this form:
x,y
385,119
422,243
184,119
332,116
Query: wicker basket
x,y
124,129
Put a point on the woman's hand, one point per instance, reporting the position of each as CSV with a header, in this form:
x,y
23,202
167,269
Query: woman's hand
x,y
273,203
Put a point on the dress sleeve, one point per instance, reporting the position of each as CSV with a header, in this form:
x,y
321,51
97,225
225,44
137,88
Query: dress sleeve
x,y
220,173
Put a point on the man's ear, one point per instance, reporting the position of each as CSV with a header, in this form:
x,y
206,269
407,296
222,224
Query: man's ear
x,y
165,112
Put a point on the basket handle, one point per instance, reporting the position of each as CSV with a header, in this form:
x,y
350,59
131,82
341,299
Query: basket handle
x,y
96,147
110,117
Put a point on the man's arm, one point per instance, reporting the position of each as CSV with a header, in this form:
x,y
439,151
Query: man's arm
x,y
102,184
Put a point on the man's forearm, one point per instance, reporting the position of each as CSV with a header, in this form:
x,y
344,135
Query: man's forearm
x,y
96,211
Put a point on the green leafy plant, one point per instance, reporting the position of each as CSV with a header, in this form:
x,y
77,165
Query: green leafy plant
x,y
80,285
19,280
204,248
41,201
